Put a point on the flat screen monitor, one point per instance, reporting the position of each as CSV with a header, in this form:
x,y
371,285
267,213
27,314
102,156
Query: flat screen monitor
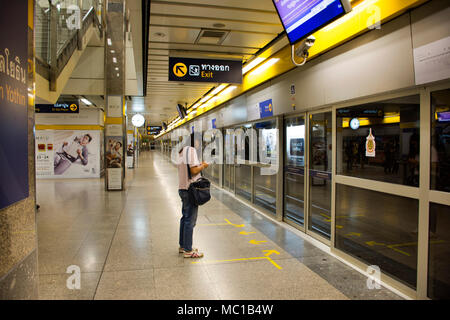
x,y
444,116
301,18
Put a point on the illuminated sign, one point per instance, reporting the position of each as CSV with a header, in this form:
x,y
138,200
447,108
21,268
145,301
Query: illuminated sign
x,y
59,107
205,70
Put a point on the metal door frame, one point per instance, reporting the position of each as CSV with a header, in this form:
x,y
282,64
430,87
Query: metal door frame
x,y
307,199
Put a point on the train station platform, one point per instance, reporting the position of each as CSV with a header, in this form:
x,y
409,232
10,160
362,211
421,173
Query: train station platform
x,y
126,246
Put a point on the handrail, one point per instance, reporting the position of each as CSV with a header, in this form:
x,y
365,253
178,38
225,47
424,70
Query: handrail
x,y
51,71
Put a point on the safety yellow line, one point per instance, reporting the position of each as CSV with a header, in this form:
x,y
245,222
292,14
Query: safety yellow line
x,y
240,259
223,224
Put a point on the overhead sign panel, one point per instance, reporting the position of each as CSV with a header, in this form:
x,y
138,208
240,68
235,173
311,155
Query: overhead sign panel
x,y
59,107
302,18
205,70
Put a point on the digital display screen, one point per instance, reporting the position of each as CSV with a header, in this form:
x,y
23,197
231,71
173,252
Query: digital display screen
x,y
444,116
301,18
297,147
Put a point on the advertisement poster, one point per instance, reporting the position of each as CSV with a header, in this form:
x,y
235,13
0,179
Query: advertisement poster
x,y
13,102
68,154
130,151
114,152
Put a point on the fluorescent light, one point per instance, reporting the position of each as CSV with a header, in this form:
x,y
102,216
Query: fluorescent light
x,y
109,42
118,75
265,66
195,106
252,64
86,101
113,51
218,89
117,68
206,98
114,59
228,90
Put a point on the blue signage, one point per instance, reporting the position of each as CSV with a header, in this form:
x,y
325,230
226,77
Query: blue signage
x,y
214,125
266,109
13,102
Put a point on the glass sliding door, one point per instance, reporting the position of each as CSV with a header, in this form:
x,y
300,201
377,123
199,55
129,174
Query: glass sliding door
x,y
265,181
319,181
294,170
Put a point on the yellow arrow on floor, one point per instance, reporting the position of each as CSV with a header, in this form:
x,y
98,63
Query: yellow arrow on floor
x,y
245,233
373,243
353,234
269,252
256,242
235,225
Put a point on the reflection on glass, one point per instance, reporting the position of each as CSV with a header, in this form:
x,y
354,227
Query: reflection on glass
x,y
216,172
383,236
439,252
294,161
440,140
320,132
243,181
226,176
266,185
265,190
232,177
394,125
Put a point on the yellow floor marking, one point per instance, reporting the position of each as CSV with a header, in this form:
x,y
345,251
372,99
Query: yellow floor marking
x,y
373,243
394,246
353,234
241,259
274,263
328,219
235,225
256,242
245,233
221,224
269,252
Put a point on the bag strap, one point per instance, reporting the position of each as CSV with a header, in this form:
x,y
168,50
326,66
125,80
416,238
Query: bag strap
x,y
187,164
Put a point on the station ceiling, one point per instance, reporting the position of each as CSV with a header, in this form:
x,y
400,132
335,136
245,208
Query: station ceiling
x,y
175,28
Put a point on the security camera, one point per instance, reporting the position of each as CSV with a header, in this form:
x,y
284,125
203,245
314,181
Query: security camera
x,y
303,49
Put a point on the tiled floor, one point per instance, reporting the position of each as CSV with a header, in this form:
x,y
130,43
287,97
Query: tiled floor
x,y
126,246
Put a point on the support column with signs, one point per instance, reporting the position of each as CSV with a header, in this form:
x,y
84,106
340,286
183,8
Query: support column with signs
x,y
115,124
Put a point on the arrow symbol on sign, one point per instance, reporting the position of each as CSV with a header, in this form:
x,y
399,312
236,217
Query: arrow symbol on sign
x,y
179,69
256,242
245,233
269,252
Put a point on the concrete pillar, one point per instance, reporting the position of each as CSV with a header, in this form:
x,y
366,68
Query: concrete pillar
x,y
115,126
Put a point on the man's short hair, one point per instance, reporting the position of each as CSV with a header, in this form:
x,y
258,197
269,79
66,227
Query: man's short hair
x,y
89,136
